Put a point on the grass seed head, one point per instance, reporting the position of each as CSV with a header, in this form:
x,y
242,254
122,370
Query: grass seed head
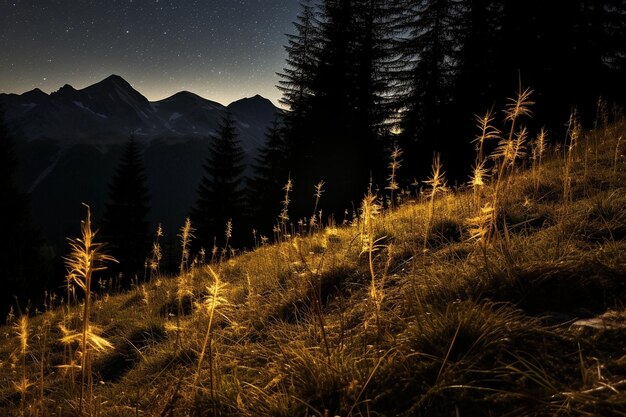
x,y
519,106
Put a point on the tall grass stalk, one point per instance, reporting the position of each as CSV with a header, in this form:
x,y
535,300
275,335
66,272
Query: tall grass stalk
x,y
395,163
370,209
573,135
518,151
157,254
228,234
186,235
506,153
314,222
22,386
283,217
479,170
437,184
602,115
481,228
537,153
86,258
477,181
616,155
487,132
211,303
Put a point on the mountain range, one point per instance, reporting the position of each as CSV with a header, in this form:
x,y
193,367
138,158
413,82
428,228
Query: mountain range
x,y
112,109
69,143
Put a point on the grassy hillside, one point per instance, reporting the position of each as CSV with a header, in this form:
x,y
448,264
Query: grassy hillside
x,y
504,297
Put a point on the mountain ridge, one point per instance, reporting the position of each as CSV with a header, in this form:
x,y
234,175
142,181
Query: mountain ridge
x,y
112,109
76,137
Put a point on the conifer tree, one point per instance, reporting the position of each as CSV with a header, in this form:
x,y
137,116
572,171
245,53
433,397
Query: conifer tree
x,y
265,188
343,114
476,30
220,193
125,224
21,271
568,52
297,76
296,84
425,82
373,53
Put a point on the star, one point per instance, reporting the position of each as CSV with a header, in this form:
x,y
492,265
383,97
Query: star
x,y
140,40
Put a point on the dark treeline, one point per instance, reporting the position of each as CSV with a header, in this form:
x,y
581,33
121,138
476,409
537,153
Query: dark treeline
x,y
359,69
125,224
25,266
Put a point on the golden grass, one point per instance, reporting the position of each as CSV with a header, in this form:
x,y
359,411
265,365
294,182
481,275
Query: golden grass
x,y
85,259
360,319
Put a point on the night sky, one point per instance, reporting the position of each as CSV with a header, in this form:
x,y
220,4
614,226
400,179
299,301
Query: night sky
x,y
222,50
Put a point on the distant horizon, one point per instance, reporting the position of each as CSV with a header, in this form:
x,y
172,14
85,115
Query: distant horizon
x,y
150,99
222,49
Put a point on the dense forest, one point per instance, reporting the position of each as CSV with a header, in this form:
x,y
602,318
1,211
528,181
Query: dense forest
x,y
361,77
364,74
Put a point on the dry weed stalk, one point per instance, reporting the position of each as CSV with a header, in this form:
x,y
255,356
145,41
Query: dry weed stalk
x,y
22,386
228,234
479,175
86,258
395,163
437,184
481,228
157,255
283,217
537,153
616,155
186,234
518,151
184,286
509,148
370,209
519,106
602,114
487,132
573,135
211,303
314,222
477,181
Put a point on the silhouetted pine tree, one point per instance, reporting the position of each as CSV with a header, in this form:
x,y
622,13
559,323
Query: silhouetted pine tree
x,y
297,76
425,84
264,191
296,86
374,64
329,151
22,273
452,59
124,224
340,123
477,30
220,193
568,52
600,37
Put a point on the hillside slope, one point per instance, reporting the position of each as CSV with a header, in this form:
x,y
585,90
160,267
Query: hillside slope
x,y
499,299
